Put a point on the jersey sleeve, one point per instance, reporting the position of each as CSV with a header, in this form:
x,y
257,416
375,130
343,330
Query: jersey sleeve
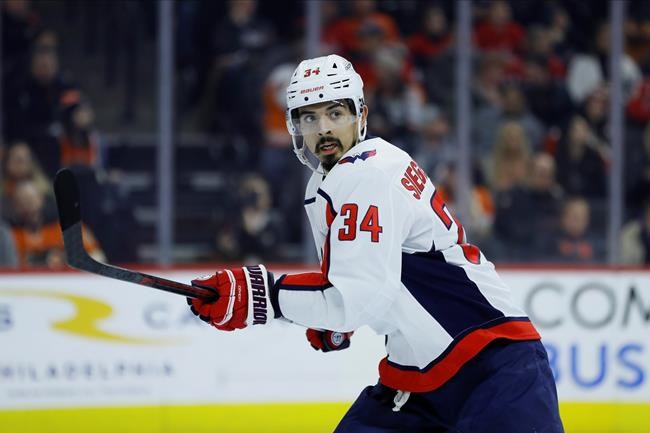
x,y
361,263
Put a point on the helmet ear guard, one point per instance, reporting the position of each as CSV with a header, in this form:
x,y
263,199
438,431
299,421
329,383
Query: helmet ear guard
x,y
361,129
323,79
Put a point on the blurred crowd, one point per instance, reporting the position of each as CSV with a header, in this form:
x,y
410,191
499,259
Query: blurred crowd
x,y
47,123
540,136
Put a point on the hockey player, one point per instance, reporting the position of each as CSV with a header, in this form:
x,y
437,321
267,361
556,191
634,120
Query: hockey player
x,y
460,356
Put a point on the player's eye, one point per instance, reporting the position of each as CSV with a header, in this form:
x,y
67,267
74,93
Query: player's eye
x,y
336,114
308,118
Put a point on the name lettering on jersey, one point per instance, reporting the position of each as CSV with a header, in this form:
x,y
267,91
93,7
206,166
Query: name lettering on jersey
x,y
258,290
362,156
414,180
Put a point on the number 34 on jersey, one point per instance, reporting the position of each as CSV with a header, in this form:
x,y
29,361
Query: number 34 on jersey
x,y
369,223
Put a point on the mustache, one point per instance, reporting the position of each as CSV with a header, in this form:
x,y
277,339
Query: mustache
x,y
326,139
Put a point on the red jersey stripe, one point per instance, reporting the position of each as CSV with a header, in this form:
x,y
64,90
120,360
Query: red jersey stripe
x,y
447,367
312,279
329,215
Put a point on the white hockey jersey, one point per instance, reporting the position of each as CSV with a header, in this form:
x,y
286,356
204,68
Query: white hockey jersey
x,y
395,259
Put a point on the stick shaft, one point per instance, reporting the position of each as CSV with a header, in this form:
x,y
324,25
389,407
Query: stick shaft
x,y
78,258
67,200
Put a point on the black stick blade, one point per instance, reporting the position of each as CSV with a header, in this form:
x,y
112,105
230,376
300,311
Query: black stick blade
x,y
66,192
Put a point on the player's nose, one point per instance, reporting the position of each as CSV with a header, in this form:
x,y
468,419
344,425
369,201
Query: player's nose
x,y
324,126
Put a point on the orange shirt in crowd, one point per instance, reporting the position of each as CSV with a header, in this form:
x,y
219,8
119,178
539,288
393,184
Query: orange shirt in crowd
x,y
274,120
481,196
34,247
72,154
344,33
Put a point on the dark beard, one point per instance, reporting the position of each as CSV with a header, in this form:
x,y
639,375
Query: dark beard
x,y
330,163
330,160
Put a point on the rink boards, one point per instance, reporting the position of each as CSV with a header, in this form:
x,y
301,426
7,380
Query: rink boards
x,y
80,353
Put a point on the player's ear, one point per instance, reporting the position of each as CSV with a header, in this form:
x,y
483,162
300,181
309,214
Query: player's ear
x,y
364,115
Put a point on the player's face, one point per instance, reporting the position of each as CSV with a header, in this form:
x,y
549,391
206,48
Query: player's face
x,y
329,129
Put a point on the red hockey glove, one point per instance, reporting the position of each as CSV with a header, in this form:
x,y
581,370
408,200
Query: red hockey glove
x,y
244,298
328,340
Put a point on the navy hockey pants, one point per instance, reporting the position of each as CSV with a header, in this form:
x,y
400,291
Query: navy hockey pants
x,y
507,388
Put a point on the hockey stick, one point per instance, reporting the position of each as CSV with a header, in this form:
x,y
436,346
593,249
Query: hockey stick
x,y
66,191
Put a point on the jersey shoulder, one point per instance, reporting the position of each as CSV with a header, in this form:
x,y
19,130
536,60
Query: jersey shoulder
x,y
368,156
370,166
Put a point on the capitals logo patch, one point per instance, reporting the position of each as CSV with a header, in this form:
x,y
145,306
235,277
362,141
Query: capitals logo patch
x,y
337,338
362,156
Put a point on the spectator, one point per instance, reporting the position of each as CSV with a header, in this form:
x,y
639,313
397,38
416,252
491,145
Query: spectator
x,y
241,35
8,256
581,169
637,36
78,142
572,244
547,97
19,166
528,210
559,28
596,112
585,18
638,107
513,107
486,86
45,40
635,239
38,240
343,34
499,32
540,45
235,79
481,207
513,236
277,160
332,25
35,105
20,26
511,157
588,72
274,101
436,148
254,234
433,40
545,194
637,169
432,51
397,102
372,39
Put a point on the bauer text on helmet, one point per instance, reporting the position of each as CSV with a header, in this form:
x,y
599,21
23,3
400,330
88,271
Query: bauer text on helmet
x,y
325,109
